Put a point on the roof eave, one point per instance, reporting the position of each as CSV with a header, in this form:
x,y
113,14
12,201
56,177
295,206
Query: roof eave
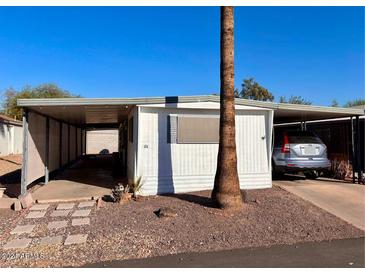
x,y
181,99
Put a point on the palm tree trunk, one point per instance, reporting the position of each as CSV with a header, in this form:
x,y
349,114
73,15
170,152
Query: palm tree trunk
x,y
226,192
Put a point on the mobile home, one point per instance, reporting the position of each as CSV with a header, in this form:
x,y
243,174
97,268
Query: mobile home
x,y
170,142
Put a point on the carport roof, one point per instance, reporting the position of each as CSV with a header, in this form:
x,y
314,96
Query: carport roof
x,y
111,110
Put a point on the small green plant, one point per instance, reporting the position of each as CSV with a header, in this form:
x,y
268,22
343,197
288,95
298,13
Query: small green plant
x,y
135,186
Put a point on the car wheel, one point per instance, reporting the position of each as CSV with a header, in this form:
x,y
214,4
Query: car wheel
x,y
313,174
276,174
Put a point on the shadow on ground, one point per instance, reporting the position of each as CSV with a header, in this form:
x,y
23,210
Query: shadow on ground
x,y
193,198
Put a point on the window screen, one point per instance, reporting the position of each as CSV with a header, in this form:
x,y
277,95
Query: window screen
x,y
197,130
130,130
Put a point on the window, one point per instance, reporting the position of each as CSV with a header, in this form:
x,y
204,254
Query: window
x,y
303,137
193,129
130,129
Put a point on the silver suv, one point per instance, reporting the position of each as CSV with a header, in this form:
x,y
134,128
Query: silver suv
x,y
299,151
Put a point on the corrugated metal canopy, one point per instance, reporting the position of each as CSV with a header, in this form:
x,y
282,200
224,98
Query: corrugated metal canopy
x,y
108,111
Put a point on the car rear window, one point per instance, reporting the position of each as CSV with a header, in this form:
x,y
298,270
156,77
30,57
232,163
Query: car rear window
x,y
303,137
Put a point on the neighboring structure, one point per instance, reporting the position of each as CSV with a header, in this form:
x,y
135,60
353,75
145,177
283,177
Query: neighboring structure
x,y
172,142
101,141
11,136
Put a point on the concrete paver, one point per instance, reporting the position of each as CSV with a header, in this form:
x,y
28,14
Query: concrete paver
x,y
75,239
87,204
344,200
26,200
80,221
81,213
39,207
60,213
57,224
20,229
35,214
65,206
18,243
51,240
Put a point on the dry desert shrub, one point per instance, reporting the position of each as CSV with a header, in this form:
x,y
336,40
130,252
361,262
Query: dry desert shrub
x,y
340,169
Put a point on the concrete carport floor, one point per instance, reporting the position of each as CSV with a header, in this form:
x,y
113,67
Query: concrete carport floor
x,y
342,199
90,177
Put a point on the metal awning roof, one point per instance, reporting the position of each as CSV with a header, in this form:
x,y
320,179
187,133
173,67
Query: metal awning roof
x,y
86,111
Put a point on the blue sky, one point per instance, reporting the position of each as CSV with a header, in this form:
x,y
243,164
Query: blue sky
x,y
315,52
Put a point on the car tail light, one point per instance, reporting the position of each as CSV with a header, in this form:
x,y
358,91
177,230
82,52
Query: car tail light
x,y
286,147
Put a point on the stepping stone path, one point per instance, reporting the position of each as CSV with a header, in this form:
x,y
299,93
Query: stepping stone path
x,y
63,211
86,204
39,207
20,229
36,214
81,221
65,206
76,239
18,243
60,213
57,224
51,240
81,213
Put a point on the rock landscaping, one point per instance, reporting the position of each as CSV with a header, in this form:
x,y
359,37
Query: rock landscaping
x,y
165,212
134,230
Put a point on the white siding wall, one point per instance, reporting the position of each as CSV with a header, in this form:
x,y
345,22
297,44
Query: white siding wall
x,y
11,139
4,139
190,167
18,140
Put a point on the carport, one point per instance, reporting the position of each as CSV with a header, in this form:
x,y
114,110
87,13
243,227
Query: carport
x,y
54,132
287,115
54,129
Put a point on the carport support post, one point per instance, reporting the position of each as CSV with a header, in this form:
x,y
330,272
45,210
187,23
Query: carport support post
x,y
357,142
82,141
85,141
60,148
46,166
353,162
68,143
76,142
23,182
303,125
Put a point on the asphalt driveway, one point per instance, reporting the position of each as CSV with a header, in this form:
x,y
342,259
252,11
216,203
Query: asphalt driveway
x,y
338,253
345,200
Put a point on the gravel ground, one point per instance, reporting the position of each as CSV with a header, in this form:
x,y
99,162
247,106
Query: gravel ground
x,y
270,217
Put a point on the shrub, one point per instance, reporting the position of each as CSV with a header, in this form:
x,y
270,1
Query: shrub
x,y
340,169
135,186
